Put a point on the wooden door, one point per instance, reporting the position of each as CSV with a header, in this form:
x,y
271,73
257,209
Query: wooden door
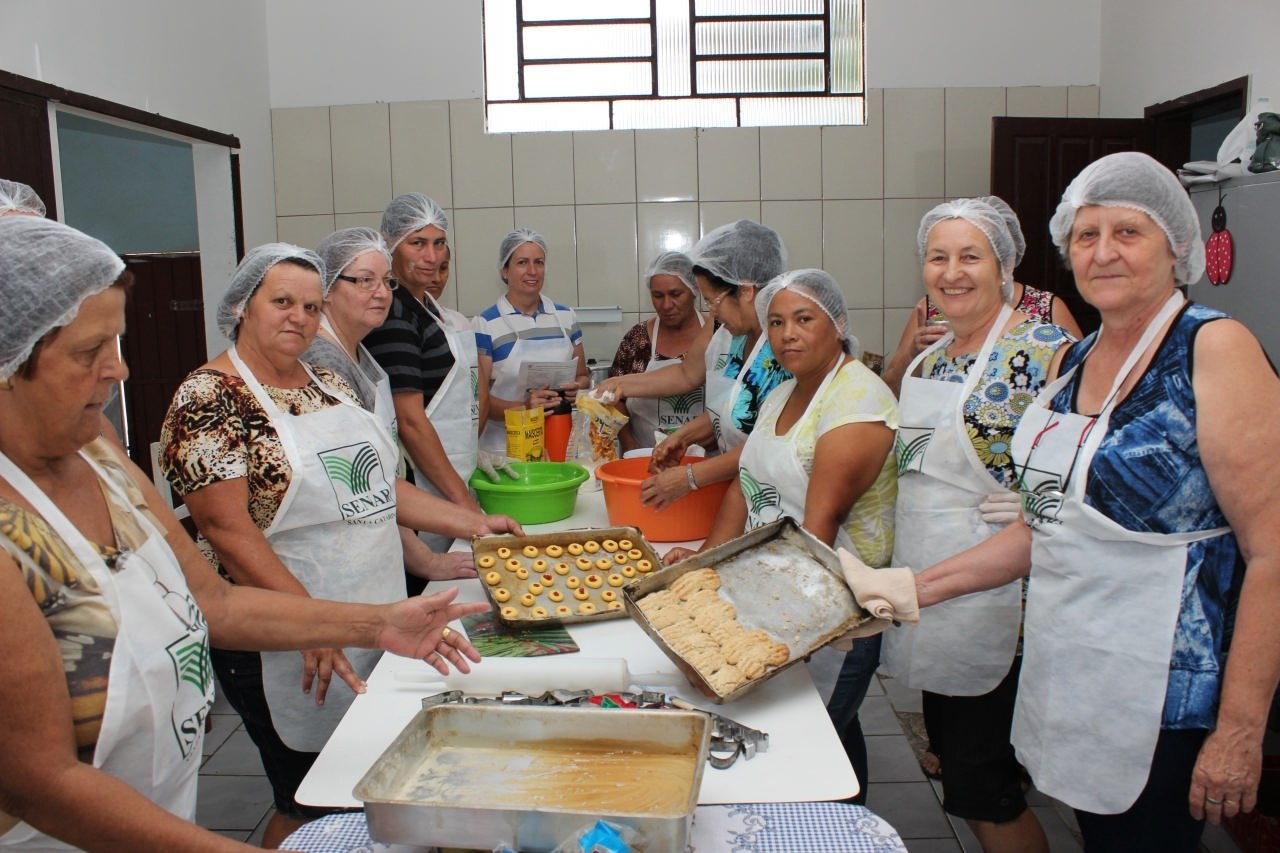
x,y
25,153
163,342
1032,161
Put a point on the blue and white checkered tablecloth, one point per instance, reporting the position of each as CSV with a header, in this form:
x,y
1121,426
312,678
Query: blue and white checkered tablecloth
x,y
745,828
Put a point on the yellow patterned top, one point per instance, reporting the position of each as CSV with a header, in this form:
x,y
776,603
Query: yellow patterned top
x,y
855,395
69,597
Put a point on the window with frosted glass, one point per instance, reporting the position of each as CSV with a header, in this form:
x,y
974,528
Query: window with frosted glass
x,y
626,64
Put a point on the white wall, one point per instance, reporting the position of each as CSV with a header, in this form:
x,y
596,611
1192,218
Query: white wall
x,y
202,63
432,51
1155,50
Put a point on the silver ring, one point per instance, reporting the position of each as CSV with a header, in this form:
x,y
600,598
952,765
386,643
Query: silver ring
x,y
1211,801
1230,803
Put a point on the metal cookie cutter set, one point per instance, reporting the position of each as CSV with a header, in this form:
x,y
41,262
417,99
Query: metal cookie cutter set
x,y
730,739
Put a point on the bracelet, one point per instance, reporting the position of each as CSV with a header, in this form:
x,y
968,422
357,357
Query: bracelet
x,y
693,483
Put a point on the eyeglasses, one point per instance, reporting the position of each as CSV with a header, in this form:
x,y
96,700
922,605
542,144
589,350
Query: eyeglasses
x,y
369,283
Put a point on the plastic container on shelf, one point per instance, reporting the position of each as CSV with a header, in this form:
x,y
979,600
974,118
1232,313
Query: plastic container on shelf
x,y
546,491
688,518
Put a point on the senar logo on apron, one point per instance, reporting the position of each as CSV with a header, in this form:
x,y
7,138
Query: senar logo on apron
x,y
192,666
359,484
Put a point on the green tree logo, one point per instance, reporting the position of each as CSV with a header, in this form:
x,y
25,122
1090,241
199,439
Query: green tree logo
x,y
354,472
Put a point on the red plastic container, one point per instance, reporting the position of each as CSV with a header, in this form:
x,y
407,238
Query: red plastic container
x,y
555,436
686,519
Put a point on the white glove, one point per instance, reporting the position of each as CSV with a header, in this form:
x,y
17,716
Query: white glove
x,y
491,461
887,594
1000,507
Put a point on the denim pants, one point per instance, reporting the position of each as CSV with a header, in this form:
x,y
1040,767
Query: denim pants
x,y
856,672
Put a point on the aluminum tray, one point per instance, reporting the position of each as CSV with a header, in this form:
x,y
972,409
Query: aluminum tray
x,y
779,578
529,777
482,545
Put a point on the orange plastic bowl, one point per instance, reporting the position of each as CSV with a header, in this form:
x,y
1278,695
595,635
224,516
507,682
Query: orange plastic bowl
x,y
688,518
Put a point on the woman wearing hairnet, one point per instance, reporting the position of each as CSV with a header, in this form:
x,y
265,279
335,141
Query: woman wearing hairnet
x,y
731,264
961,400
927,324
524,326
18,199
293,487
359,286
820,453
1152,533
661,342
106,607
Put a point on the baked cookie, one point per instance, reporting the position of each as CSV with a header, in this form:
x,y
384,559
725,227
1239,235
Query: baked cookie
x,y
486,561
554,551
529,551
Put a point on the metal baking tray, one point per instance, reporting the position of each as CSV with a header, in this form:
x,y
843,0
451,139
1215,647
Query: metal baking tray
x,y
779,578
489,545
529,777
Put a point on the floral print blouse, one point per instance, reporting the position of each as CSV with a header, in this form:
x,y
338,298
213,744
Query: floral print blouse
x,y
1013,377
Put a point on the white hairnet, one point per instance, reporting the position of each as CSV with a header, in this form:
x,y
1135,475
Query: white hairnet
x,y
515,240
340,248
672,263
252,270
819,287
1011,222
742,252
1135,180
47,270
17,197
986,219
409,213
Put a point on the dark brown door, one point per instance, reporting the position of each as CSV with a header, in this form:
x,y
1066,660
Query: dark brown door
x,y
25,153
163,341
1032,161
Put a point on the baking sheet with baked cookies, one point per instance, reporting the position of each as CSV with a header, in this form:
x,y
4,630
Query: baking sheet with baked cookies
x,y
567,576
779,579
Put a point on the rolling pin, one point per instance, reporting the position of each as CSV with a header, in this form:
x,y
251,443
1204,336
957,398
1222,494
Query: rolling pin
x,y
537,676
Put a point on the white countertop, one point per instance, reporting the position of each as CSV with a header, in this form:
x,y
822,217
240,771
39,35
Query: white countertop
x,y
805,760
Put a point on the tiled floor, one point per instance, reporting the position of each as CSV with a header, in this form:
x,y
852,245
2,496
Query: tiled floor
x,y
235,798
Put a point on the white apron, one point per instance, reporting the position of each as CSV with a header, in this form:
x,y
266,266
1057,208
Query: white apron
x,y
722,392
383,404
650,415
1102,609
962,647
506,373
772,477
336,532
455,409
160,686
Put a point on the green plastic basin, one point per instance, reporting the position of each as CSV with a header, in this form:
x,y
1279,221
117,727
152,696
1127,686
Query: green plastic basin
x,y
546,491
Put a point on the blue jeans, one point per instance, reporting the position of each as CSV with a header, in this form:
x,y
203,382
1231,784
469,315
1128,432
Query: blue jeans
x,y
851,688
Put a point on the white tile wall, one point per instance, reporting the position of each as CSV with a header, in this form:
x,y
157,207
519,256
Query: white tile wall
x,y
481,163
913,143
847,199
604,167
542,164
790,162
420,150
607,256
361,137
1082,101
303,161
667,165
853,157
729,164
1044,101
968,129
799,223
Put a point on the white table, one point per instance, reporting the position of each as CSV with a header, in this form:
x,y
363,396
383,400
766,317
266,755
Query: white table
x,y
805,760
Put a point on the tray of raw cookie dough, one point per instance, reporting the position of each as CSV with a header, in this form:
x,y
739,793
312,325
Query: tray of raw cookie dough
x,y
562,577
736,615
